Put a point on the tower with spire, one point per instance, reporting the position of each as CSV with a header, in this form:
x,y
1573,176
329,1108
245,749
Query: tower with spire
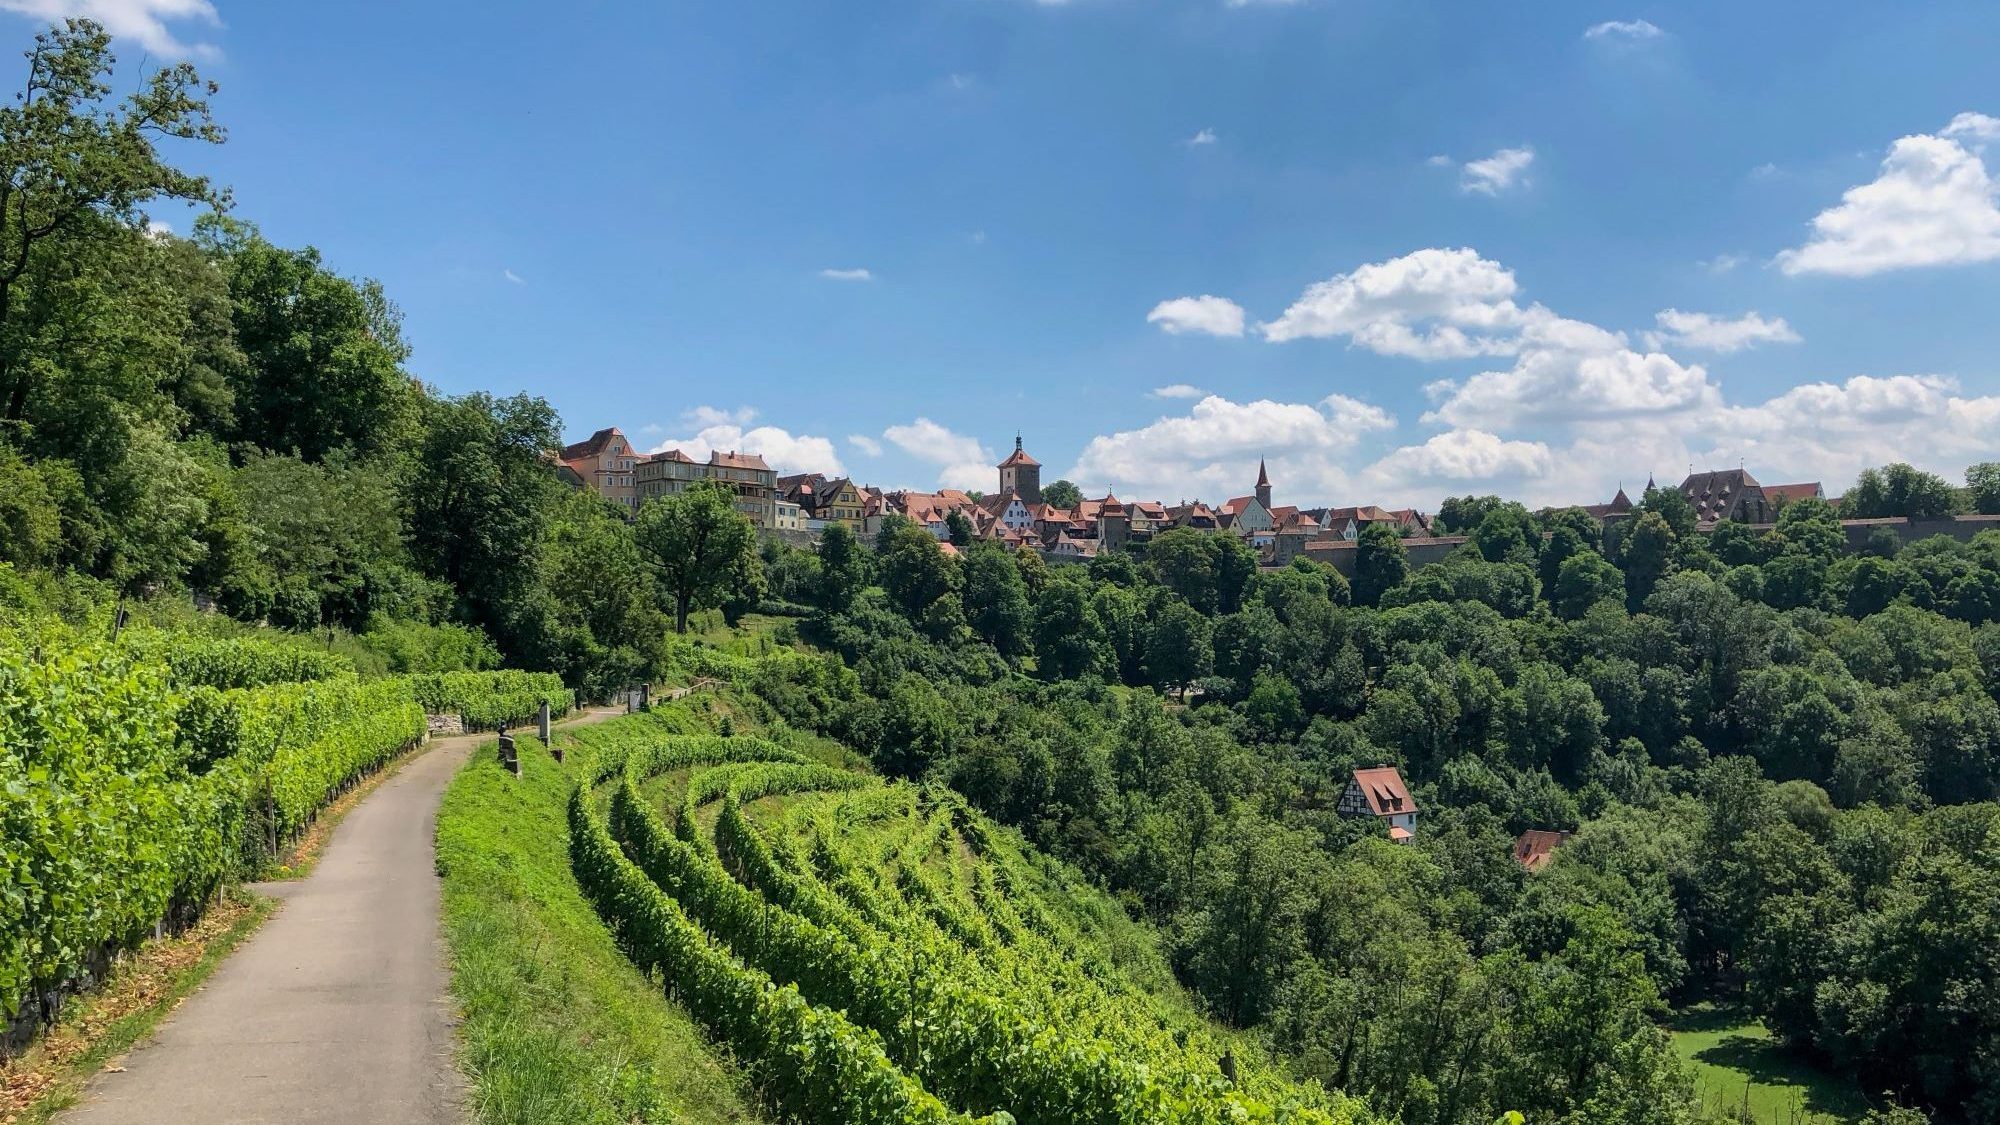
x,y
1021,474
1263,485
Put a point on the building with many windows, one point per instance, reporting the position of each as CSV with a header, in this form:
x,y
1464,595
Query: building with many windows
x,y
671,472
606,464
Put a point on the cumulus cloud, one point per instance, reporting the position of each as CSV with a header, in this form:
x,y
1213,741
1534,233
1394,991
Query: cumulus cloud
x,y
1933,204
1204,137
1570,412
141,21
1623,31
1567,370
1178,390
867,445
730,431
1832,430
1704,332
1976,127
1431,304
962,461
1721,263
847,275
1459,457
1503,171
1212,451
1213,316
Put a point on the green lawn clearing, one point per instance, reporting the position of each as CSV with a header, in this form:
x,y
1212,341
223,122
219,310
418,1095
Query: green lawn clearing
x,y
1737,1064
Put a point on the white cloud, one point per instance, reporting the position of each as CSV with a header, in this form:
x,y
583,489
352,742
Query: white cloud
x,y
867,445
1204,137
1504,170
1573,412
1465,303
1766,171
1568,370
1453,459
1440,161
1214,316
141,21
1976,126
960,81
962,461
726,430
1623,31
1178,390
510,275
1722,263
847,275
1212,451
1705,332
1932,205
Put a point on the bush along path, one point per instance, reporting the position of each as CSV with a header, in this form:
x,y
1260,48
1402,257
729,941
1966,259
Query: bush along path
x,y
336,1010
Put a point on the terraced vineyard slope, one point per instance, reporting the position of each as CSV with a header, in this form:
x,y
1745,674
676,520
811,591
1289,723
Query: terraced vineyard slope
x,y
879,953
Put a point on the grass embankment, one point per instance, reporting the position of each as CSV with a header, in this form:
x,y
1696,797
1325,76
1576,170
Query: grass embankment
x,y
1738,1064
145,986
559,1026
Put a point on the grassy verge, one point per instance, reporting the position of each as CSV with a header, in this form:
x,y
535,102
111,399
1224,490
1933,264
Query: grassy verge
x,y
105,1024
558,1025
1737,1064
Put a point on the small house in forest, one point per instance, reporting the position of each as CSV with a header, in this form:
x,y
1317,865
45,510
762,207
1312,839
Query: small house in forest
x,y
1381,793
1535,847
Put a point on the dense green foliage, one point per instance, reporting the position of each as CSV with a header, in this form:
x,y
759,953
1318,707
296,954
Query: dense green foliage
x,y
142,775
1779,755
484,700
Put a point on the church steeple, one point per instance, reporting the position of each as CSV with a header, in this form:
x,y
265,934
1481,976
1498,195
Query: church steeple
x,y
1263,485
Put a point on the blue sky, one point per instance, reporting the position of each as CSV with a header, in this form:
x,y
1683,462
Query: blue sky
x,y
1402,249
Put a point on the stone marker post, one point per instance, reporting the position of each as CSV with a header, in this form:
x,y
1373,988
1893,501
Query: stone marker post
x,y
542,723
508,756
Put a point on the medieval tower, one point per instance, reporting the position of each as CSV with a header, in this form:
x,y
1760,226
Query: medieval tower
x,y
1021,475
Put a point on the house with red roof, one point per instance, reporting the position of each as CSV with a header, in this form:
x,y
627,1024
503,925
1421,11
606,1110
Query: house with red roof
x,y
1534,848
1381,793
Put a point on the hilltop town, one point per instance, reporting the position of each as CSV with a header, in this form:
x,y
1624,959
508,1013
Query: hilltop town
x,y
1018,513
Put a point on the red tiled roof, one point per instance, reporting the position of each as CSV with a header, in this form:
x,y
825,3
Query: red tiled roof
x,y
1533,848
735,460
1018,458
1384,791
592,445
1787,493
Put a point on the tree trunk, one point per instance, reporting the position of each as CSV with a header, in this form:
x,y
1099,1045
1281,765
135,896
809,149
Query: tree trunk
x,y
681,612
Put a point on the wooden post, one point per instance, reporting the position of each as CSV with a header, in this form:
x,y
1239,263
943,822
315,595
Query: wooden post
x,y
542,723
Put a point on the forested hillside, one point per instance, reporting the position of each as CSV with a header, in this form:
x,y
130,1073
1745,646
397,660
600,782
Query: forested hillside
x,y
1778,756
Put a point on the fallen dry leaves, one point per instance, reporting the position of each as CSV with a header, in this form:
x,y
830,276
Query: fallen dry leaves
x,y
142,979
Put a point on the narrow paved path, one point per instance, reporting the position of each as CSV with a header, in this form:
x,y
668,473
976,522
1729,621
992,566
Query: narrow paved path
x,y
337,1010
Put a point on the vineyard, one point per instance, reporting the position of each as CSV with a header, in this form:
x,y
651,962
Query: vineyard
x,y
142,775
876,952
